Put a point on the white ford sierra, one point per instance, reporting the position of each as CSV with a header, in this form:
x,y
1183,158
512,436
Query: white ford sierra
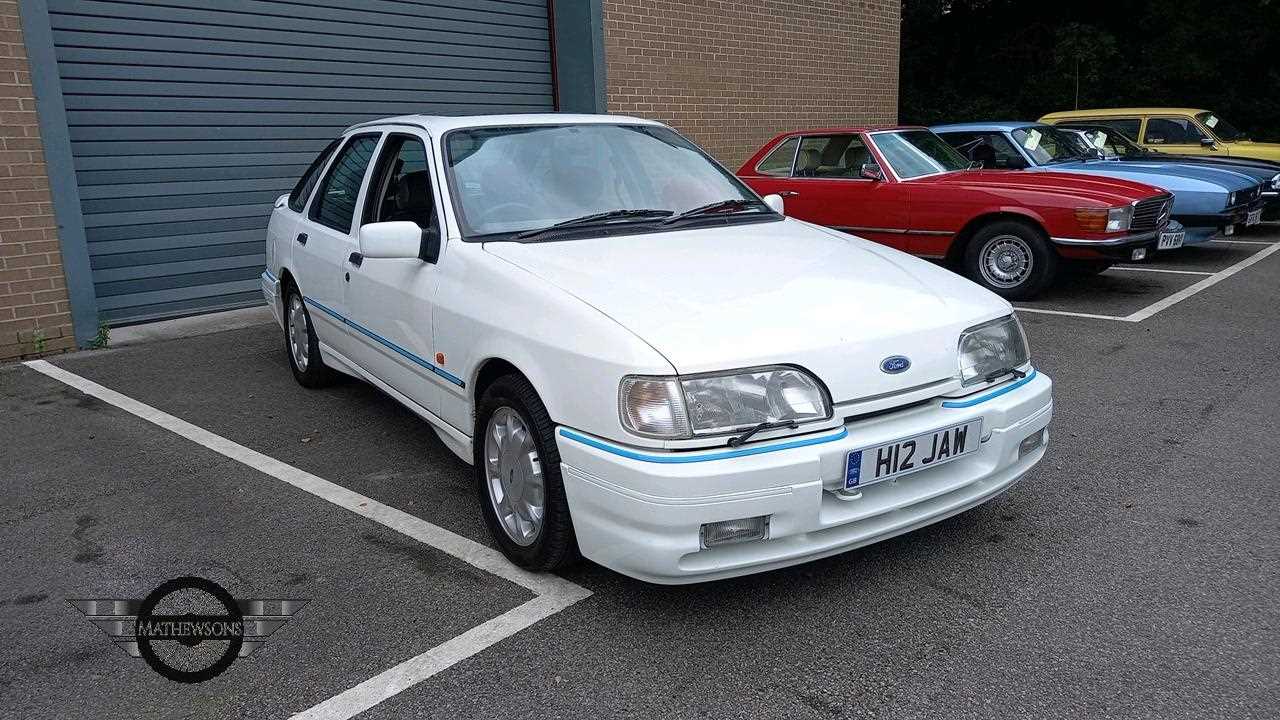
x,y
646,362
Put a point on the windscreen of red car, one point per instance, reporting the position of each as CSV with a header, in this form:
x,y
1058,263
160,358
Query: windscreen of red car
x,y
916,153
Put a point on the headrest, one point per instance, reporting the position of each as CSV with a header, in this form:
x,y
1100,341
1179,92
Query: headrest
x,y
413,190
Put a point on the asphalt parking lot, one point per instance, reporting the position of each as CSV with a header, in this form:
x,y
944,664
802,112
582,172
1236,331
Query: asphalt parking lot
x,y
1135,573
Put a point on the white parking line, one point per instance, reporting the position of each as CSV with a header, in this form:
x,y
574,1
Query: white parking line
x,y
552,594
1159,270
1204,284
1174,299
1068,313
1242,242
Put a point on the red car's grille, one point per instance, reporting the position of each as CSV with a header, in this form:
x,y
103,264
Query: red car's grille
x,y
1151,213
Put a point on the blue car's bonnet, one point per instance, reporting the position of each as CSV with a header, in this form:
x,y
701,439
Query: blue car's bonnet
x,y
1199,191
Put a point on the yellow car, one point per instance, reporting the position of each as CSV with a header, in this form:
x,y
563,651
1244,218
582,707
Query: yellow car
x,y
1174,130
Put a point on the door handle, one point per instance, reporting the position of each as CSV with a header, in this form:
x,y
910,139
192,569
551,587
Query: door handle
x,y
788,193
356,259
302,238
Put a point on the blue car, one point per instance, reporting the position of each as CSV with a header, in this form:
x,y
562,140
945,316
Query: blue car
x,y
1206,200
1106,143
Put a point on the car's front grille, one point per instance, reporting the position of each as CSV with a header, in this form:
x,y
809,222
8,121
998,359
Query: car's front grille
x,y
1246,197
1151,213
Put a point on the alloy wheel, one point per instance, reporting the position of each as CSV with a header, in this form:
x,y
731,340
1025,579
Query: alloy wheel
x,y
1006,261
514,476
299,345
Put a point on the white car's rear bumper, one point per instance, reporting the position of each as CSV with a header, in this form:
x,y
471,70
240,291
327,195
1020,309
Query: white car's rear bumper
x,y
640,512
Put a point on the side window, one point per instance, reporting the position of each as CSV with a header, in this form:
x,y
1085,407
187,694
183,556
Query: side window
x,y
1171,131
401,187
1004,155
302,191
838,156
779,161
1127,126
335,204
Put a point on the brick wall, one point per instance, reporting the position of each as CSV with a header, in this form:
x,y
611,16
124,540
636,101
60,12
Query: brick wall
x,y
35,316
730,74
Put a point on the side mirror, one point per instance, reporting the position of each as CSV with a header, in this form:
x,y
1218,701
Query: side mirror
x,y
872,171
775,203
1209,143
400,239
975,164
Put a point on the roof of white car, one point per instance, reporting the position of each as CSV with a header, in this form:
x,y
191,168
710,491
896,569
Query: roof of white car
x,y
436,124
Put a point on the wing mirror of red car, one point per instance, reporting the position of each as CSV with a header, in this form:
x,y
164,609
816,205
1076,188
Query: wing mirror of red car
x,y
872,171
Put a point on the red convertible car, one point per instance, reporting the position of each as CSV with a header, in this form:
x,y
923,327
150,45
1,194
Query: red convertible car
x,y
907,188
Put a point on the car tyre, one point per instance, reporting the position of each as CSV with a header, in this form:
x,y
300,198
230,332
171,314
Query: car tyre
x,y
1011,258
517,477
301,345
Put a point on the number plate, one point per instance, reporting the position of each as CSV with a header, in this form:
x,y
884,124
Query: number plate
x,y
1254,217
900,457
1171,240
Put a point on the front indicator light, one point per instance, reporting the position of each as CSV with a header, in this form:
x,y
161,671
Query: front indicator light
x,y
653,407
1138,254
1105,220
728,532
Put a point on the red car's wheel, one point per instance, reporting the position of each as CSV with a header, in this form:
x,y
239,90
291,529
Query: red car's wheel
x,y
1011,258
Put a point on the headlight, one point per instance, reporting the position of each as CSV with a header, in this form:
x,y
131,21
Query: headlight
x,y
991,347
1275,182
1231,199
673,408
1116,219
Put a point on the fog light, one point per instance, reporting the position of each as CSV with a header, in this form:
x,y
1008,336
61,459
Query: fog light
x,y
1031,442
727,532
1138,254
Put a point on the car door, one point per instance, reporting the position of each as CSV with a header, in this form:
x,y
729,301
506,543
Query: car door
x,y
1176,135
282,228
390,299
826,186
325,240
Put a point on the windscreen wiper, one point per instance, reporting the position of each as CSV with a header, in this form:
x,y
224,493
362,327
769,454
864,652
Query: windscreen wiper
x,y
596,218
709,208
1002,372
767,425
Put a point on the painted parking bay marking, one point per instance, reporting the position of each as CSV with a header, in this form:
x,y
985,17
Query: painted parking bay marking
x,y
551,594
1175,298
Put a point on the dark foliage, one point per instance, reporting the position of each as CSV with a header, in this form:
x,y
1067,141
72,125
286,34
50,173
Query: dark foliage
x,y
1017,60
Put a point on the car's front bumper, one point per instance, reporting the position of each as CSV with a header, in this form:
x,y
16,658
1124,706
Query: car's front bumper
x,y
1117,248
1201,228
640,512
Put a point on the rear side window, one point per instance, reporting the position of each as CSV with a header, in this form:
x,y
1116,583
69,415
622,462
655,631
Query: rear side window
x,y
302,191
1127,126
335,204
1171,131
778,162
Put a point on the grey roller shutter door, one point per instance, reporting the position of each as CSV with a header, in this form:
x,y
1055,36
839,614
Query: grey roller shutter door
x,y
189,117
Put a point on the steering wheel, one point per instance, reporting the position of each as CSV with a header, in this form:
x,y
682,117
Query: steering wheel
x,y
493,213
